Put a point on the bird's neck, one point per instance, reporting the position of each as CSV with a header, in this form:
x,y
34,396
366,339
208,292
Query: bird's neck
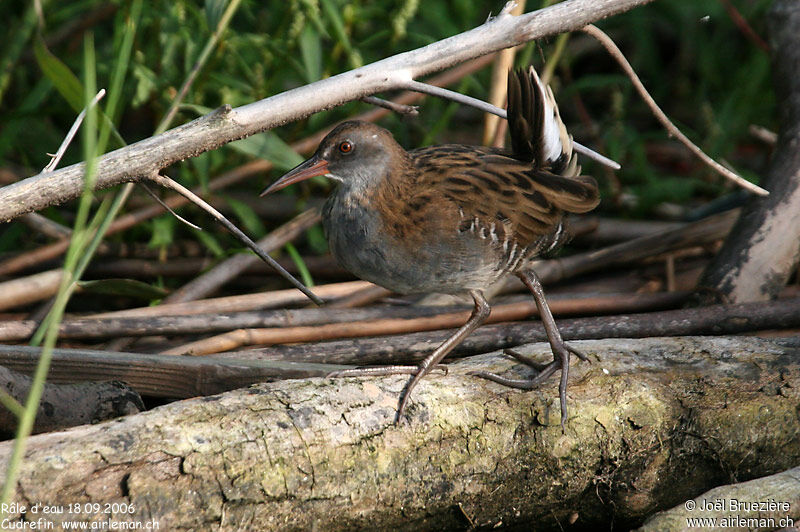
x,y
378,184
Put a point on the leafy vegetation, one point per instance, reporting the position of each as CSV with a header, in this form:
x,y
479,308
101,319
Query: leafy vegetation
x,y
708,75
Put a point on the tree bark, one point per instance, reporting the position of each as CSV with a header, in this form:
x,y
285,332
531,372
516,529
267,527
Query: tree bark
x,y
67,405
763,249
653,423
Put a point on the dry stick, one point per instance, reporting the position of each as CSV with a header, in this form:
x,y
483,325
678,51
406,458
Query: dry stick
x,y
497,90
391,106
234,266
110,327
46,226
697,233
411,348
613,230
19,292
615,52
261,300
741,23
307,145
356,329
214,322
159,376
180,189
322,266
361,297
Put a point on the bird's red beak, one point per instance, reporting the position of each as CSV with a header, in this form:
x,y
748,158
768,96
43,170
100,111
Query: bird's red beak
x,y
310,168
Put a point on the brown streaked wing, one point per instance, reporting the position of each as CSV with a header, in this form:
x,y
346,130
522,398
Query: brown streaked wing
x,y
489,185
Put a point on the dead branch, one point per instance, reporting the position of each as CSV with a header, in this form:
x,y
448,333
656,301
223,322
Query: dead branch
x,y
780,492
149,156
36,287
211,280
763,250
259,300
649,429
157,375
613,231
431,322
68,405
615,52
409,348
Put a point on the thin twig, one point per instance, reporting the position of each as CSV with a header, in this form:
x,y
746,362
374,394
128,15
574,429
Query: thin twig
x,y
489,108
194,198
36,220
173,213
230,268
56,158
410,110
238,303
615,52
45,225
743,26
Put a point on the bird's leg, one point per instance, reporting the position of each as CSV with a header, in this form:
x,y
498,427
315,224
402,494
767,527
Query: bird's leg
x,y
561,350
479,315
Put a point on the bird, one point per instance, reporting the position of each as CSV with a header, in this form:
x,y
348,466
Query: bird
x,y
454,218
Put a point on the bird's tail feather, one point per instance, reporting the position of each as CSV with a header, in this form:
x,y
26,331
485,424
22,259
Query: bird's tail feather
x,y
537,132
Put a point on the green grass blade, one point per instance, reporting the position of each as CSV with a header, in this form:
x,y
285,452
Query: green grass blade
x,y
302,269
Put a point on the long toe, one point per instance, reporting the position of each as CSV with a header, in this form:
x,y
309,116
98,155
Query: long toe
x,y
522,384
525,359
577,353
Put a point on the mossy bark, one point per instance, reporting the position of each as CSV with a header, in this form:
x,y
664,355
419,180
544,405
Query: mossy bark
x,y
653,423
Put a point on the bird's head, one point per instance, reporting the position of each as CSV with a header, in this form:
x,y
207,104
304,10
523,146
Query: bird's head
x,y
357,154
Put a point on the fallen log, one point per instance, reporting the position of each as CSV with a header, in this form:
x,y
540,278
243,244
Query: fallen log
x,y
653,423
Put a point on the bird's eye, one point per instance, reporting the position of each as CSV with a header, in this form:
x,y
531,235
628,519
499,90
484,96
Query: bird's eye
x,y
345,147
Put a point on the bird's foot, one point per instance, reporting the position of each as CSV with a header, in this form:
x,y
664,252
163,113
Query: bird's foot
x,y
544,371
561,351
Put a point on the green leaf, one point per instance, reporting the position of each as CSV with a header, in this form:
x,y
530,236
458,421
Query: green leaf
x,y
214,10
123,287
248,217
211,243
302,269
315,237
199,109
59,74
146,83
269,146
163,231
311,51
